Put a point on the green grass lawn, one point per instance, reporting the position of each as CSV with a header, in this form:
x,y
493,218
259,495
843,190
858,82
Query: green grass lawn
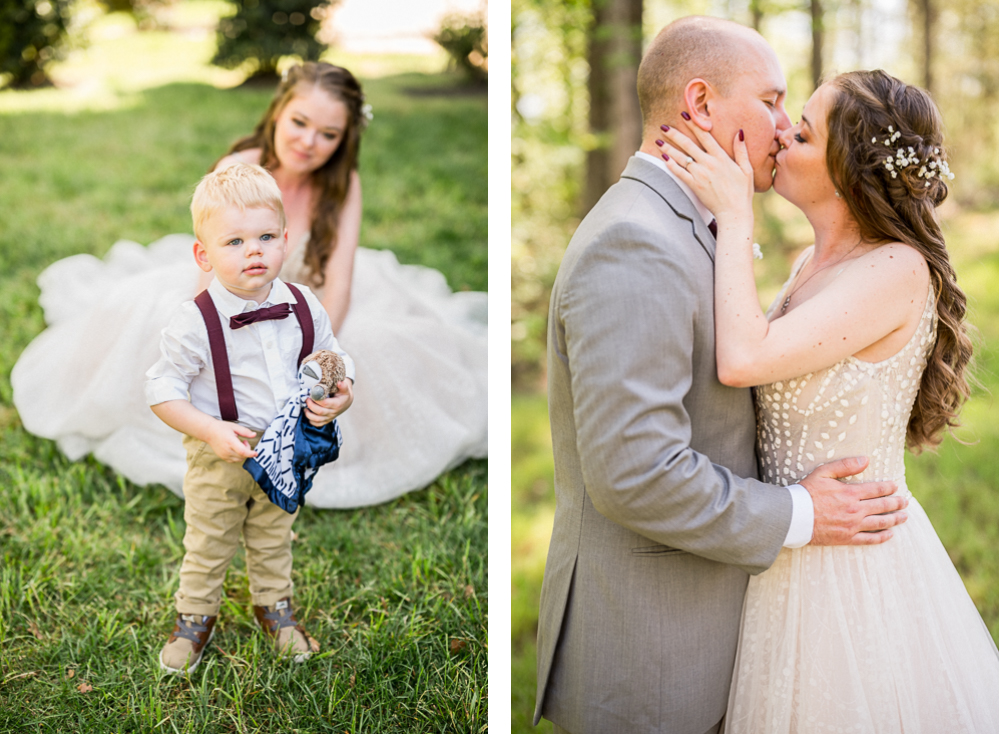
x,y
395,594
957,485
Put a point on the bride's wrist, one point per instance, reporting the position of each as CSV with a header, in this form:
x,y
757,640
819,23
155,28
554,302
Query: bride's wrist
x,y
734,216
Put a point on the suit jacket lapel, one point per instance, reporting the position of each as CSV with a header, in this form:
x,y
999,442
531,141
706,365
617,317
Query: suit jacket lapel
x,y
667,189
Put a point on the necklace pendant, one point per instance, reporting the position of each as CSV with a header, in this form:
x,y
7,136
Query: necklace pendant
x,y
785,304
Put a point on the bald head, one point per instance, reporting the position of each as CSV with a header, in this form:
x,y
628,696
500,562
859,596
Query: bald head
x,y
716,50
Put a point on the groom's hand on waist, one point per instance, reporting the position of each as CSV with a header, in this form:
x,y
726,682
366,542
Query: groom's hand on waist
x,y
852,514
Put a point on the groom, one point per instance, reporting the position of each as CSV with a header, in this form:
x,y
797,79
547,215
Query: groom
x,y
659,515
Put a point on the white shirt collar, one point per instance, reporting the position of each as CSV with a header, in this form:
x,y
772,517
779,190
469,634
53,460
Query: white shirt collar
x,y
703,212
229,304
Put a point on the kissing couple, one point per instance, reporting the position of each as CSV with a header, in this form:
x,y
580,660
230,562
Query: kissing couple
x,y
694,584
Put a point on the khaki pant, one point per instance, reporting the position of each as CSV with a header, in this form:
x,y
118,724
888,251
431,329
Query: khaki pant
x,y
220,500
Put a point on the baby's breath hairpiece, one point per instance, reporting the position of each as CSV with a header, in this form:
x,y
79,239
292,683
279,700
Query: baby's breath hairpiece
x,y
929,167
366,115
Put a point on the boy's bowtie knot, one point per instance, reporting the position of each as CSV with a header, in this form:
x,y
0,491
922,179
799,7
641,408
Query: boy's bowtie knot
x,y
281,311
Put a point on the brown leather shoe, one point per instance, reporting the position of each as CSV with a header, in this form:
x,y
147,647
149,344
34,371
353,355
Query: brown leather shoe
x,y
187,643
289,637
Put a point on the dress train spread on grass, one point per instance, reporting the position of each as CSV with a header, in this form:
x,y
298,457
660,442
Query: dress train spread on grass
x,y
419,350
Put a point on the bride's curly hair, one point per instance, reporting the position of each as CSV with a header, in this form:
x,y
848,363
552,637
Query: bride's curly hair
x,y
897,204
333,178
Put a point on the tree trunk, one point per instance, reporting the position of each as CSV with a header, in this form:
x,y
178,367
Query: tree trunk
x,y
929,17
614,51
816,9
756,14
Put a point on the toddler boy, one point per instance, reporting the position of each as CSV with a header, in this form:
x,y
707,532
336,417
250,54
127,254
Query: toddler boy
x,y
229,363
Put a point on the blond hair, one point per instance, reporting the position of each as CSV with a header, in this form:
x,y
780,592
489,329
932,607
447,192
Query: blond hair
x,y
242,185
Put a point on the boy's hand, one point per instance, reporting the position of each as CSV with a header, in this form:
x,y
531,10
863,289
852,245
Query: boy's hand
x,y
224,438
322,412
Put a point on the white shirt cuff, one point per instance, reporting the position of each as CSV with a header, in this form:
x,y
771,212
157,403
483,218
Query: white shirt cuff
x,y
800,531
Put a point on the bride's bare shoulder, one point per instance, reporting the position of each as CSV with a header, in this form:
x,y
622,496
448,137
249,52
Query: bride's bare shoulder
x,y
898,271
896,258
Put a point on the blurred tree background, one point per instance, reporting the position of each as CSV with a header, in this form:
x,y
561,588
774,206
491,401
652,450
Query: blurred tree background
x,y
575,123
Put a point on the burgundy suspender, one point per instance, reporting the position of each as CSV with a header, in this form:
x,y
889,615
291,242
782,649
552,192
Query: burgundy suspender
x,y
302,313
220,357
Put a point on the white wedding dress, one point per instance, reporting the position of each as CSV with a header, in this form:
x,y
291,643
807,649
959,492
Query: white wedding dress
x,y
419,349
858,639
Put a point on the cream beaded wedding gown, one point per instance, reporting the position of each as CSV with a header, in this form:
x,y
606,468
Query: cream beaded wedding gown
x,y
419,350
858,639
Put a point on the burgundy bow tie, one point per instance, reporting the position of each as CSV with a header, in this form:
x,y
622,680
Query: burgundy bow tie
x,y
281,311
714,229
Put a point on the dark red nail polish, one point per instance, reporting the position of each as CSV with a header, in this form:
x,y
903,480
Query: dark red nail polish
x,y
686,116
741,133
665,128
660,143
665,157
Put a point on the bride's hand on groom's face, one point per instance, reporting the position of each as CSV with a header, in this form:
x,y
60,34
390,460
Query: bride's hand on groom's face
x,y
722,184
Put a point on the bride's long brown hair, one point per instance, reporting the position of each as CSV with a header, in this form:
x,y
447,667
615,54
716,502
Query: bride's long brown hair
x,y
898,205
333,178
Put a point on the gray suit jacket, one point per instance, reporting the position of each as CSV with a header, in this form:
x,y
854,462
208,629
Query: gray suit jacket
x,y
656,526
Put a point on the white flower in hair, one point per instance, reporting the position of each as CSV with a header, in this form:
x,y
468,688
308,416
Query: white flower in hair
x,y
929,167
365,115
757,254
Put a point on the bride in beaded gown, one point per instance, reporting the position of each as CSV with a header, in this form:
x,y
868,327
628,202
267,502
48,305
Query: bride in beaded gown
x,y
884,637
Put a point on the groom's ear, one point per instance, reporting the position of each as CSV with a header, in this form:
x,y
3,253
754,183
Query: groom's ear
x,y
697,97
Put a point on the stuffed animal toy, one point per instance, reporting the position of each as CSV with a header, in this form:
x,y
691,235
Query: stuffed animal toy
x,y
327,368
292,449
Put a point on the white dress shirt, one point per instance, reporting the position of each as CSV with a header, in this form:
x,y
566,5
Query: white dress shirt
x,y
803,515
263,356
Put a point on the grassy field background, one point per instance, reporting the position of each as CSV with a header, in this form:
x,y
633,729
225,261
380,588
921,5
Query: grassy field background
x,y
957,484
396,594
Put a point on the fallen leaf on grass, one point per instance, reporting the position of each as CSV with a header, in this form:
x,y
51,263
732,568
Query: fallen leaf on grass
x,y
458,646
84,688
352,680
70,673
33,628
470,590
